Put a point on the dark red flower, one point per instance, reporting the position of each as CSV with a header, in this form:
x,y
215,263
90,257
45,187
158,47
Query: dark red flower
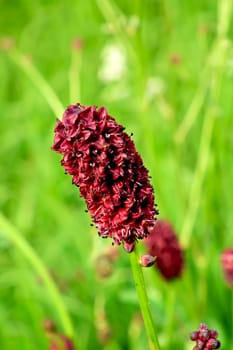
x,y
163,243
104,164
227,265
57,341
60,342
205,338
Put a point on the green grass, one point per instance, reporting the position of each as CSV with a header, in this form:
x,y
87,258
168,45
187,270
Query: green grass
x,y
181,116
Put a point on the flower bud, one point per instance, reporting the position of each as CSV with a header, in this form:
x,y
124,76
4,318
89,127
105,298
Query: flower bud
x,y
147,260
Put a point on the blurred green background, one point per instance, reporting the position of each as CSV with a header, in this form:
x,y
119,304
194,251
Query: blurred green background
x,y
164,69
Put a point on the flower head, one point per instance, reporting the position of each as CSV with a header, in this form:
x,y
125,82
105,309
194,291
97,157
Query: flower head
x,y
112,179
227,265
205,338
113,66
163,243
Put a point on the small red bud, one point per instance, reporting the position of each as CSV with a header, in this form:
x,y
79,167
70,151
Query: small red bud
x,y
147,260
78,44
175,59
213,333
194,335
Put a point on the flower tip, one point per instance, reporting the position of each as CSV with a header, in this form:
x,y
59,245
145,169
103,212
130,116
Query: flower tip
x,y
147,260
128,247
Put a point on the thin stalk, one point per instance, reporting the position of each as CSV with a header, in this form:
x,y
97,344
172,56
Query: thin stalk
x,y
217,63
116,18
224,14
232,317
170,312
196,186
29,253
144,302
74,75
193,110
27,66
225,8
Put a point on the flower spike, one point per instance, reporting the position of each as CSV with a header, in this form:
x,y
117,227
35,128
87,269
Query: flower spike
x,y
109,172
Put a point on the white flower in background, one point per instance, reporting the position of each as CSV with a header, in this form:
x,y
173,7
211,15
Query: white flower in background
x,y
113,65
155,86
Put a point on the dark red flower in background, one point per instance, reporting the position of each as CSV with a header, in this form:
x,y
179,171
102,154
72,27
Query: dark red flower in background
x,y
60,342
163,243
57,341
104,164
227,265
205,338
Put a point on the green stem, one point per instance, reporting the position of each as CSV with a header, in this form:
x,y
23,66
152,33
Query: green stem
x,y
224,14
27,66
193,110
170,312
217,63
74,76
18,240
112,13
143,300
195,193
232,317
